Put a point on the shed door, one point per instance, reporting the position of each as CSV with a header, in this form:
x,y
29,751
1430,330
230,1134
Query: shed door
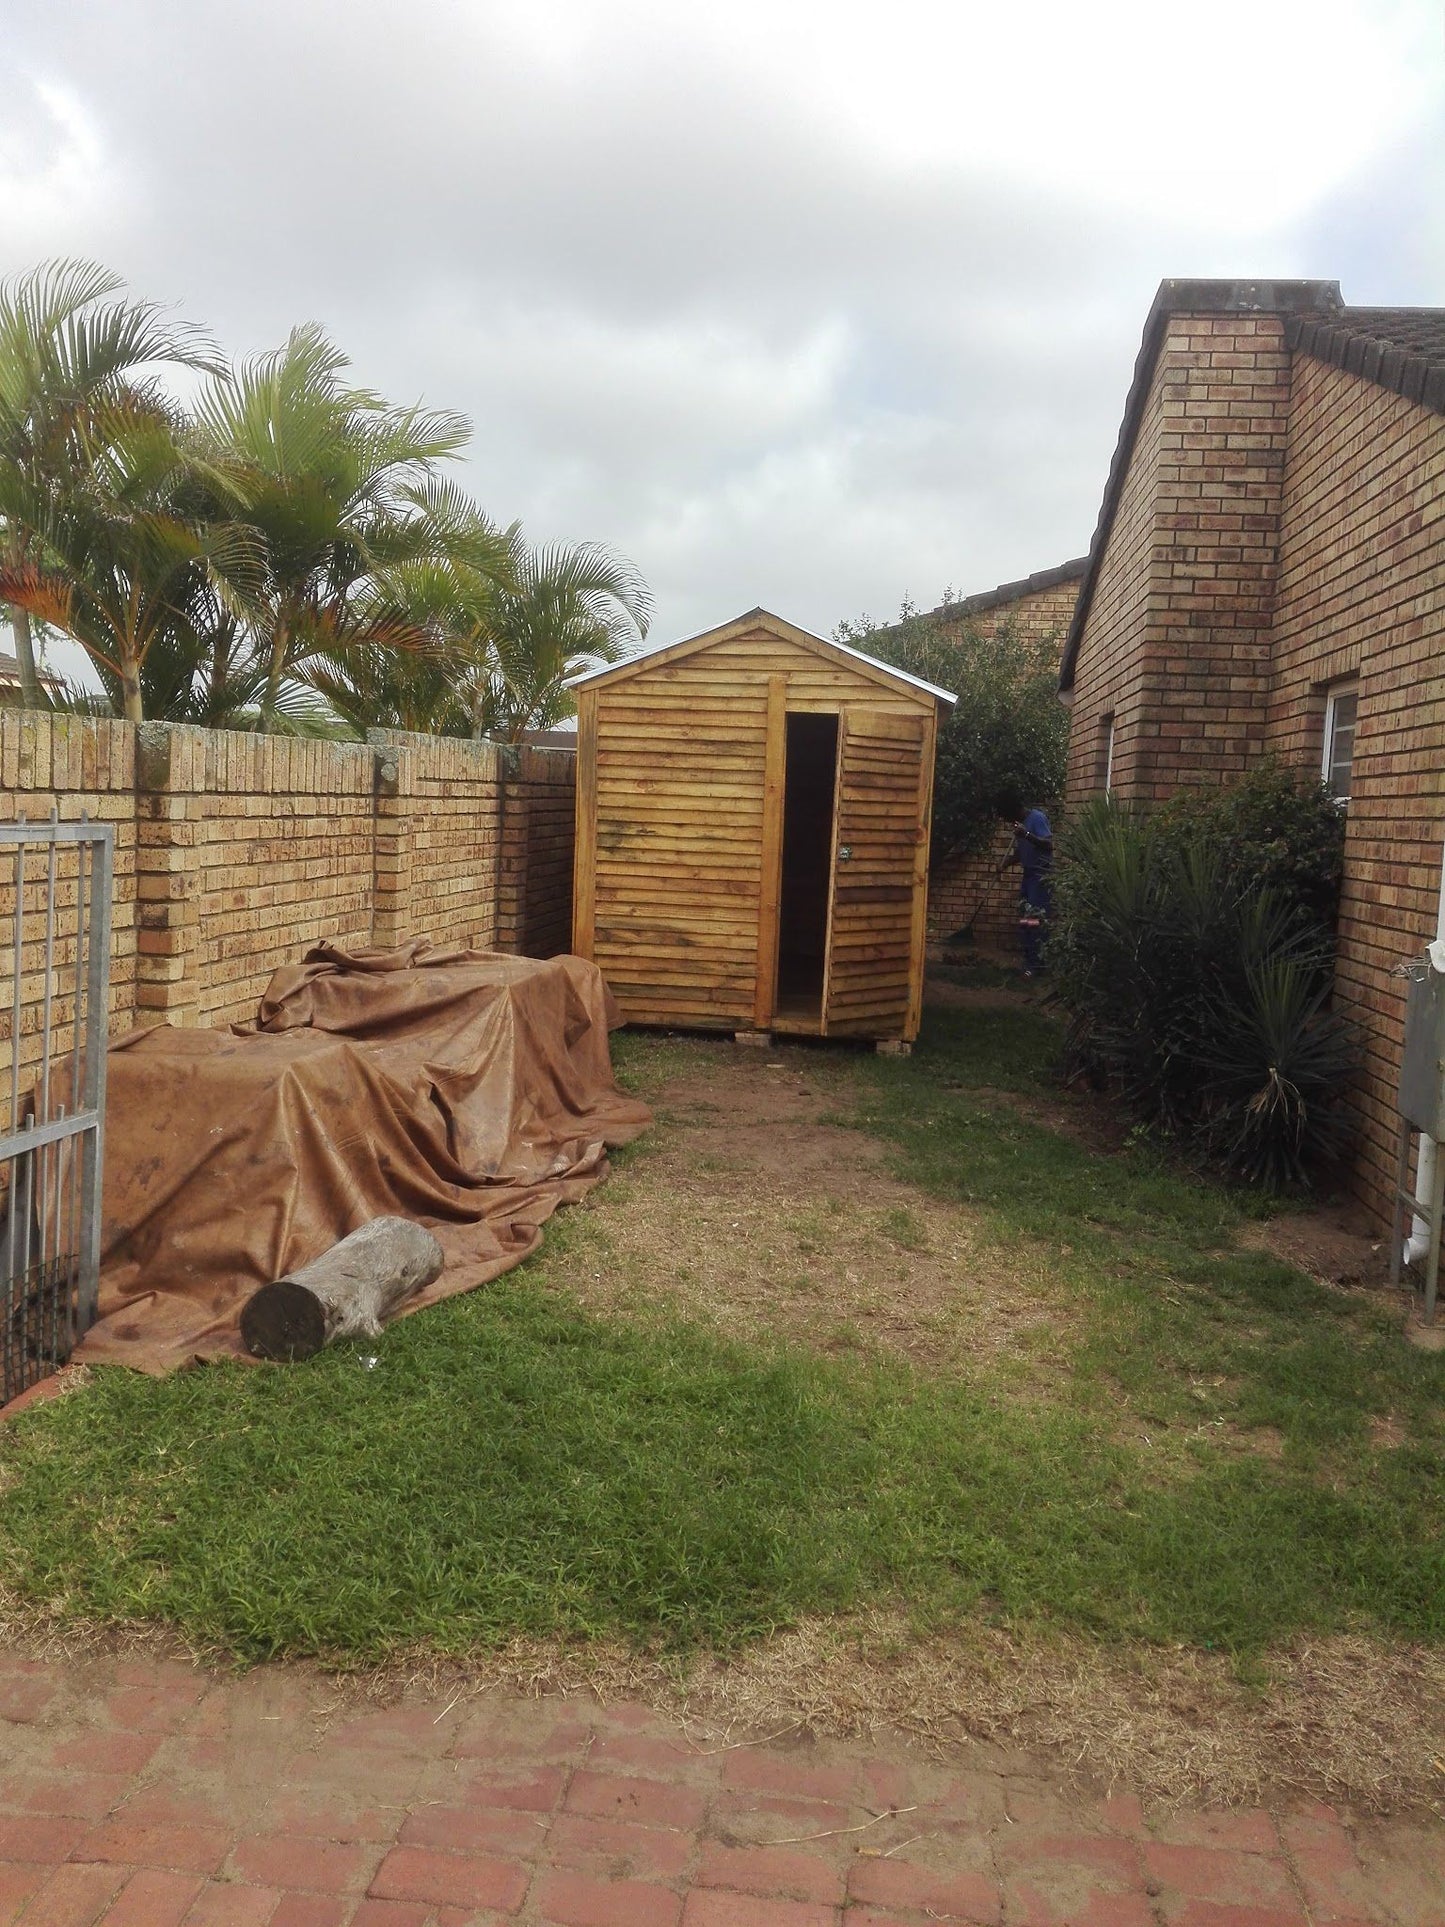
x,y
881,828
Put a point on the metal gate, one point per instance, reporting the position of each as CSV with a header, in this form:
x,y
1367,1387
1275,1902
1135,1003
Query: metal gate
x,y
55,901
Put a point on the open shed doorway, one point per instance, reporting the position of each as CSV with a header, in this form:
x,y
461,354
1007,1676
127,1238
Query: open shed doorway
x,y
809,783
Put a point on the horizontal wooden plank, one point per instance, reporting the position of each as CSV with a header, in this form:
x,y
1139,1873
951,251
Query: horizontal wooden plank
x,y
725,802
875,938
861,973
879,957
679,725
686,727
636,885
653,989
663,874
662,975
745,683
877,779
692,916
619,786
691,761
881,727
696,960
684,834
708,873
880,983
871,806
691,814
867,1001
702,973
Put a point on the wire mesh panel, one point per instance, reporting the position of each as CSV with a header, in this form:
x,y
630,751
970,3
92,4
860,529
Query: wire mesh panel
x,y
55,901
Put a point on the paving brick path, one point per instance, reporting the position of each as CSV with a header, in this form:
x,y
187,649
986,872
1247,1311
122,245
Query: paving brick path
x,y
149,1795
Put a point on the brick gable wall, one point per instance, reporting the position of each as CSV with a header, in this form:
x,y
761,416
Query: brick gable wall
x,y
1177,645
1112,667
1281,526
1223,400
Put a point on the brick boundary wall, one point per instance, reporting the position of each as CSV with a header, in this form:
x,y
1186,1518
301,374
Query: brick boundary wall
x,y
84,767
534,892
235,853
972,887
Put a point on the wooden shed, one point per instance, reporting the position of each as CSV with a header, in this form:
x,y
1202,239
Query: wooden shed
x,y
752,833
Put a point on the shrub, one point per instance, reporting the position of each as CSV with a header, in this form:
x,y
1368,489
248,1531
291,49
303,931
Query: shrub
x,y
1007,736
1193,951
1279,828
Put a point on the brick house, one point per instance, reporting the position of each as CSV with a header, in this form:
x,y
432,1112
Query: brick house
x,y
969,890
1268,575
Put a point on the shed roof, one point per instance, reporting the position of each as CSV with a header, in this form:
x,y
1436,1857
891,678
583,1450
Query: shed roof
x,y
744,625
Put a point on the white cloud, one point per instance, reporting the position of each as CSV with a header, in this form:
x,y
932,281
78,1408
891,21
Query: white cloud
x,y
55,176
804,303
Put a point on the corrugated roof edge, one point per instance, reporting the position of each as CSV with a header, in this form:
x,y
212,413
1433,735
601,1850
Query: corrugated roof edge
x,y
1178,297
842,648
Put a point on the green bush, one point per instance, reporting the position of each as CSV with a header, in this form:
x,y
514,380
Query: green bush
x,y
1004,744
1278,828
1194,951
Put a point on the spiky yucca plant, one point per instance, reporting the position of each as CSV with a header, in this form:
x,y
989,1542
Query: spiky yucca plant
x,y
1199,993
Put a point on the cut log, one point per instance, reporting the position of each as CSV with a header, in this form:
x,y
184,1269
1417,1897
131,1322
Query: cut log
x,y
350,1291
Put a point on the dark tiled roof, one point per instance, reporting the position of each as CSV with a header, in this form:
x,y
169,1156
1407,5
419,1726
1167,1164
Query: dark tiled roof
x,y
1305,299
1006,592
1402,349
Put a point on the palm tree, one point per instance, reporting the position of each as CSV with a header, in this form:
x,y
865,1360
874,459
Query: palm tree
x,y
372,687
334,481
135,557
67,350
508,629
570,609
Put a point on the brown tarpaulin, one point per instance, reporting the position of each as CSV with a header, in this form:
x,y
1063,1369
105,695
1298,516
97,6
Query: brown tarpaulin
x,y
469,1091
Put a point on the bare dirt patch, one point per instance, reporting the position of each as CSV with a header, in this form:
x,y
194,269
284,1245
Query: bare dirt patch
x,y
953,996
754,1212
1334,1243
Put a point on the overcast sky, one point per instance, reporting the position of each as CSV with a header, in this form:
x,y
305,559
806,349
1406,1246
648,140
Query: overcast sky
x,y
800,302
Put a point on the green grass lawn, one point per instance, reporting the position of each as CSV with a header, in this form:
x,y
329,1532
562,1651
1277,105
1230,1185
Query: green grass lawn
x,y
1229,1454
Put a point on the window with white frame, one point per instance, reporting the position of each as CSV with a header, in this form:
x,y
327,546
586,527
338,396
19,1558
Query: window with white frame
x,y
1341,705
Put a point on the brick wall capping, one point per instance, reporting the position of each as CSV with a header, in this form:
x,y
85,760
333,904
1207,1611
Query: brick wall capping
x,y
236,851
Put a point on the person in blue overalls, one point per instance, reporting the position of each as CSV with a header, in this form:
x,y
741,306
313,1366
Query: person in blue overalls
x,y
1033,851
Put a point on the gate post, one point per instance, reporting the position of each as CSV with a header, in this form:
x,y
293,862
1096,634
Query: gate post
x,y
167,865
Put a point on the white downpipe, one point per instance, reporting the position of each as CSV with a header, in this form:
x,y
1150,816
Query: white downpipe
x,y
1419,1241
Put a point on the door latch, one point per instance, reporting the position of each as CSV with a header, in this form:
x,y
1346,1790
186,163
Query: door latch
x,y
845,850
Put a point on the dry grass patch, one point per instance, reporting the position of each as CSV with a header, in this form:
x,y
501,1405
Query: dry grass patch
x,y
751,1212
1347,1719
